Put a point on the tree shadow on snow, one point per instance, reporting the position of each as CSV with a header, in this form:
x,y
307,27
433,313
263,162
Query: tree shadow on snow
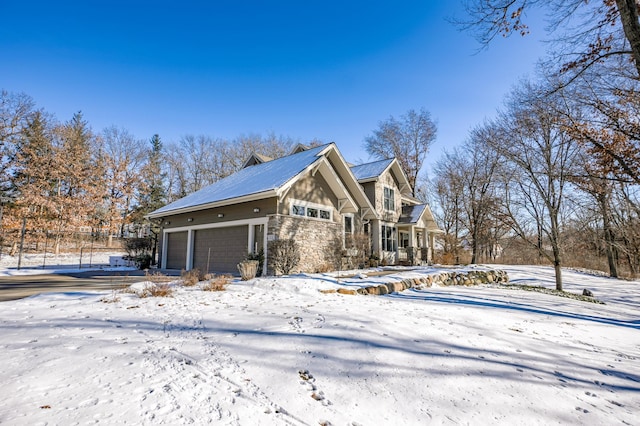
x,y
444,297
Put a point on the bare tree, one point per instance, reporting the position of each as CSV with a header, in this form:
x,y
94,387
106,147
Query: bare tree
x,y
449,194
540,156
243,146
408,139
122,156
15,111
480,167
585,33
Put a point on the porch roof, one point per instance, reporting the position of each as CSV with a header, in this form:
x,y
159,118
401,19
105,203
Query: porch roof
x,y
413,215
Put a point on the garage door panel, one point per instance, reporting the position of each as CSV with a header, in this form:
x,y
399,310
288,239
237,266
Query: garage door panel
x,y
176,250
220,249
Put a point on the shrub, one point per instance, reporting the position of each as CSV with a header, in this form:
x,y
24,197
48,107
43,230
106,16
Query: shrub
x,y
324,267
217,283
143,261
248,269
335,254
361,243
284,255
139,250
191,277
260,258
159,290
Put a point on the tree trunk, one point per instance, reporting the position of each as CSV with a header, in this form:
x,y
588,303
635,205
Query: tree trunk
x,y
629,17
555,246
558,270
474,249
609,237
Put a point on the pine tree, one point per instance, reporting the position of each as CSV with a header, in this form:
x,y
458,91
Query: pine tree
x,y
152,194
36,172
80,186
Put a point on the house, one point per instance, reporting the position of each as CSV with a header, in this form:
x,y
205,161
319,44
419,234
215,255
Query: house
x,y
312,196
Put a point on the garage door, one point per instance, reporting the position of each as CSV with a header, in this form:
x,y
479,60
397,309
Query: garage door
x,y
220,249
176,250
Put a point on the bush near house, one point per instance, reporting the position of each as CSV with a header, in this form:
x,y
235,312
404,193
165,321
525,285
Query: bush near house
x,y
139,250
284,256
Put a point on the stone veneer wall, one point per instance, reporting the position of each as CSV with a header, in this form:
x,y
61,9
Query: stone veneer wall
x,y
315,239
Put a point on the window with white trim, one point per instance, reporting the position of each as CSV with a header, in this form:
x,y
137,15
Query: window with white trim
x,y
389,238
315,211
404,240
348,228
389,199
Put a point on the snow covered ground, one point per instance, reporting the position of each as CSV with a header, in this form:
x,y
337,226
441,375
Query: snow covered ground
x,y
278,351
34,264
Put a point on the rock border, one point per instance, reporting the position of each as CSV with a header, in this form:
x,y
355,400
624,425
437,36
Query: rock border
x,y
464,278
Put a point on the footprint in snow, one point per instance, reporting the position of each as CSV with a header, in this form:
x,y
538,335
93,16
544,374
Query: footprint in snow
x,y
319,321
309,382
296,324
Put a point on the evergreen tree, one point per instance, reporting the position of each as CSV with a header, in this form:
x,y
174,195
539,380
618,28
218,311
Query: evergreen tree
x,y
81,184
152,194
36,172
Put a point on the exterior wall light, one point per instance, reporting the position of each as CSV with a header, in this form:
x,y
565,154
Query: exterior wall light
x,y
220,215
256,210
167,223
190,219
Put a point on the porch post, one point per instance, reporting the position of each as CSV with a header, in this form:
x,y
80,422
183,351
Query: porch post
x,y
189,260
431,243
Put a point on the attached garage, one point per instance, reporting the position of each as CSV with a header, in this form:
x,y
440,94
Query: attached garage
x,y
220,249
176,247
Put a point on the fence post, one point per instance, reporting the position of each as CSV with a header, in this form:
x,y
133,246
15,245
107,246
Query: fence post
x,y
24,228
91,253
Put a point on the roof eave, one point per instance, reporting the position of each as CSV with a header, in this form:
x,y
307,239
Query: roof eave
x,y
237,200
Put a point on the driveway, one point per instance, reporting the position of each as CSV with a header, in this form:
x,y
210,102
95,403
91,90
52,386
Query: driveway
x,y
20,286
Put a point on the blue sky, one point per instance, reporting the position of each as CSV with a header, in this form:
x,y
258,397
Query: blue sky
x,y
328,70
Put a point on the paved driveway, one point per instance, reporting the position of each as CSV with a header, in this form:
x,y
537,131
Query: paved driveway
x,y
17,287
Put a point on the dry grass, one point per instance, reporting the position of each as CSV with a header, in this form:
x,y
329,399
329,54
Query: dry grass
x,y
113,298
158,277
191,277
324,268
158,290
217,283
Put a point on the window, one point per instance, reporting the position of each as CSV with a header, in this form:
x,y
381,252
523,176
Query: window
x,y
316,211
404,240
389,199
348,230
348,227
389,238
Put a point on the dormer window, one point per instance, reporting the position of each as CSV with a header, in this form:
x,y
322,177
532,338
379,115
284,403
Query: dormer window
x,y
389,199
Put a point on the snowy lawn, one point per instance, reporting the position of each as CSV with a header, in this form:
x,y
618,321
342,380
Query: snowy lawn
x,y
278,351
64,263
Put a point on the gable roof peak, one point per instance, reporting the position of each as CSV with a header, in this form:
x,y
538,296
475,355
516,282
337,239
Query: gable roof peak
x,y
256,158
299,148
371,170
